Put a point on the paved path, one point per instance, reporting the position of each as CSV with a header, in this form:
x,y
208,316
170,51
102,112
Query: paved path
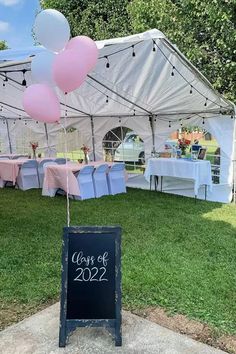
x,y
39,334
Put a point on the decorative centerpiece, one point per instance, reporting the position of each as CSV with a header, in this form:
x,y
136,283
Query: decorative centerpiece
x,y
85,150
183,144
34,146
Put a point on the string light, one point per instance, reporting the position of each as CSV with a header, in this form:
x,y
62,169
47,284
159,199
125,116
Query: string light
x,y
181,122
119,120
25,123
23,81
14,122
3,84
205,104
107,99
133,53
107,64
0,108
203,120
191,90
6,78
153,46
134,113
4,122
169,124
37,122
172,72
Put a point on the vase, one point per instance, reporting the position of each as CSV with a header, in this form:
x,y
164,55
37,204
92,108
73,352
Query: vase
x,y
86,159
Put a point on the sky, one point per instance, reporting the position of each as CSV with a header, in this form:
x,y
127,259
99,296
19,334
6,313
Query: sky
x,y
16,22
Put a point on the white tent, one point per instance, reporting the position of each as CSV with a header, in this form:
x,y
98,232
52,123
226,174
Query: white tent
x,y
142,82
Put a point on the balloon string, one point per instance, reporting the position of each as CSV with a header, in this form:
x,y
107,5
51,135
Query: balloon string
x,y
67,171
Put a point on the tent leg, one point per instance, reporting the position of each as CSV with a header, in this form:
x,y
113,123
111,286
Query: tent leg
x,y
93,138
46,134
151,120
9,138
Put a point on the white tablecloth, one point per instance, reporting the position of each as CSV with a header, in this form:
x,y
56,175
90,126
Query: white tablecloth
x,y
199,171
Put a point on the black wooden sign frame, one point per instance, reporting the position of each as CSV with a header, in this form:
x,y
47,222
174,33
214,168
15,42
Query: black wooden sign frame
x,y
69,325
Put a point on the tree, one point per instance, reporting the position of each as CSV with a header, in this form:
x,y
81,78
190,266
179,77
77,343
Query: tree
x,y
96,19
203,30
3,45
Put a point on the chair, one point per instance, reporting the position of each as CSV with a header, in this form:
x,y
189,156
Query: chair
x,y
85,181
116,179
100,180
41,170
4,158
52,191
28,176
61,161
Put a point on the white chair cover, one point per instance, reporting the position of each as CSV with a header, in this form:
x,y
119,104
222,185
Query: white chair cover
x,y
100,180
61,161
41,171
116,179
28,176
85,180
52,191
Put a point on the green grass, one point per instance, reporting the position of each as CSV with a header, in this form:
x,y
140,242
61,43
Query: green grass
x,y
175,254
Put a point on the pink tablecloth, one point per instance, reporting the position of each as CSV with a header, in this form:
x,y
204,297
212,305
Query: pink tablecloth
x,y
56,177
9,169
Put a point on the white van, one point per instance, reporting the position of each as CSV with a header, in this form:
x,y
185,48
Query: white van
x,y
132,148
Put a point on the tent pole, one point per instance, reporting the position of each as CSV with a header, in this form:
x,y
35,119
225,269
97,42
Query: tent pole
x,y
93,138
9,138
151,120
46,133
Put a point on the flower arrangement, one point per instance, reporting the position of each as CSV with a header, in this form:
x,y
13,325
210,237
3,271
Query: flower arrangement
x,y
85,150
34,146
183,144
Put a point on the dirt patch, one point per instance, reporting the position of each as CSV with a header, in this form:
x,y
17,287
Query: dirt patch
x,y
13,313
194,329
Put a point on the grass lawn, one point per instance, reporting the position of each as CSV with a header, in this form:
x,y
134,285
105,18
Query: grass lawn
x,y
175,254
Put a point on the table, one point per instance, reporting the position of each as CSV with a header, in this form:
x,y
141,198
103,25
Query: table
x,y
55,177
9,169
197,170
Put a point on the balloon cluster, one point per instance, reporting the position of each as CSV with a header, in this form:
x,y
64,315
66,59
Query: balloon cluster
x,y
65,63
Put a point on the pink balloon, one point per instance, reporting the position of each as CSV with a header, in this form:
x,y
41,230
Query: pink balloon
x,y
86,48
41,103
69,71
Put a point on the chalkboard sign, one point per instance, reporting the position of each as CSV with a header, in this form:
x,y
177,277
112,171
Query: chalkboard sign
x,y
91,280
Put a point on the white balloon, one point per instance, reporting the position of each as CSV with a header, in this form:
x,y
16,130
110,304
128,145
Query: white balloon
x,y
41,68
52,29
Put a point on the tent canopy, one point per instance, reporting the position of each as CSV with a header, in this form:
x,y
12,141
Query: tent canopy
x,y
139,81
142,82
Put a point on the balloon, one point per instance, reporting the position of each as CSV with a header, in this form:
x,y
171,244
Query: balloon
x,y
41,103
86,48
69,71
52,29
41,68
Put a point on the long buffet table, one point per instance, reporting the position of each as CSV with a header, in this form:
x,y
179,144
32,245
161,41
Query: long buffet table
x,y
199,171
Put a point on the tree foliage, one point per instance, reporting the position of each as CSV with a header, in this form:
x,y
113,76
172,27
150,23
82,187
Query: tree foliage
x,y
204,30
97,19
3,45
